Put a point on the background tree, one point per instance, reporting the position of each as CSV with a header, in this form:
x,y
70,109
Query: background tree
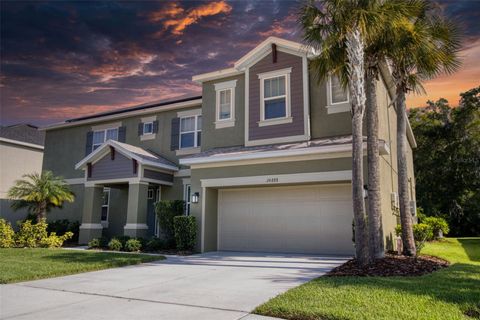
x,y
447,161
419,49
39,193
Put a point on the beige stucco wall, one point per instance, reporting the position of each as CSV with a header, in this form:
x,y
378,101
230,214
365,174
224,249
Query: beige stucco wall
x,y
15,161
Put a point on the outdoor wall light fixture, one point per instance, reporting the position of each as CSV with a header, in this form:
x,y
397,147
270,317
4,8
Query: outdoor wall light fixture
x,y
195,197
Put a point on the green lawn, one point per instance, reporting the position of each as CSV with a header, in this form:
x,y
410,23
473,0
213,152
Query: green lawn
x,y
445,294
29,264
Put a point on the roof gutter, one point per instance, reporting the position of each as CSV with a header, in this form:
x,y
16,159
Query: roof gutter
x,y
21,143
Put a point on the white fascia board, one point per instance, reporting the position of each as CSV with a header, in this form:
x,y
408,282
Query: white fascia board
x,y
265,46
229,72
21,143
98,153
127,114
280,153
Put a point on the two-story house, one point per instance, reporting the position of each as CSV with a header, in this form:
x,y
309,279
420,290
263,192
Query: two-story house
x,y
262,159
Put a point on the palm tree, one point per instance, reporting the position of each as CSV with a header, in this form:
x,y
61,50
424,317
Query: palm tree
x,y
418,49
39,193
337,32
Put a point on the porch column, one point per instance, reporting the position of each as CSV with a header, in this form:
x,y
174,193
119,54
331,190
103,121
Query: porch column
x,y
136,225
91,226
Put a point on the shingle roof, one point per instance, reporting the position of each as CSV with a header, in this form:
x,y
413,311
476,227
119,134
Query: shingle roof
x,y
145,154
24,133
139,107
241,150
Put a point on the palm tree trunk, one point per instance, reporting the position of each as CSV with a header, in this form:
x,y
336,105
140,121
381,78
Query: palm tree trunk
x,y
375,230
405,215
355,50
41,211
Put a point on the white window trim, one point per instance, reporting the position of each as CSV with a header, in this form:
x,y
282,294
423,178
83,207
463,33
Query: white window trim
x,y
288,111
195,131
104,136
104,223
336,107
144,125
219,87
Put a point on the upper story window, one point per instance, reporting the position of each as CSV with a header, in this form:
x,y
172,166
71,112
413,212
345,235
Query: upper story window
x,y
100,136
337,93
225,104
275,97
190,131
148,128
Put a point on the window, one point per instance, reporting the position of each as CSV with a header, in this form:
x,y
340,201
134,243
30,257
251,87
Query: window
x,y
150,194
275,97
225,104
190,131
337,93
187,198
100,136
105,206
148,128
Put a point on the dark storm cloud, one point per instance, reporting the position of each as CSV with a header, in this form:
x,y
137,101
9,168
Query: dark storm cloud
x,y
65,59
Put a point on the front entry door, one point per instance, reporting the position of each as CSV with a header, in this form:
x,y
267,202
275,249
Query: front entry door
x,y
152,222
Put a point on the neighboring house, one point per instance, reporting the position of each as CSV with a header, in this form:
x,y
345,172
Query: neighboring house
x,y
262,159
21,152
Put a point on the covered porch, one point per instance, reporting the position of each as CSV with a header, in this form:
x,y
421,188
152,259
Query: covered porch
x,y
122,183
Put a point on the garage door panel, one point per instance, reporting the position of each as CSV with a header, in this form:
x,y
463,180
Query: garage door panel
x,y
302,219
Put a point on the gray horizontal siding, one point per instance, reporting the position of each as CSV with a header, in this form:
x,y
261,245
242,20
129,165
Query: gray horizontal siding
x,y
162,176
106,168
296,127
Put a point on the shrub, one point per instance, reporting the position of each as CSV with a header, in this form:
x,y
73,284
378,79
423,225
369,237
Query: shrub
x,y
30,234
155,244
421,233
185,232
123,240
115,245
7,235
94,243
439,226
104,241
60,227
166,210
54,241
133,245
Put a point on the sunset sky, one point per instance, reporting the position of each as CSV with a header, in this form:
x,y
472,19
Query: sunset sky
x,y
66,59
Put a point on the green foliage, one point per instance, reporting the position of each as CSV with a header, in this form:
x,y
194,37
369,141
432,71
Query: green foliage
x,y
155,244
133,245
398,230
54,241
39,193
94,243
30,235
60,227
7,235
437,225
421,233
447,161
123,240
185,232
166,210
115,245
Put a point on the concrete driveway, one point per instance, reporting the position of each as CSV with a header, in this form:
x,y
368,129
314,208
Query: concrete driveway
x,y
219,285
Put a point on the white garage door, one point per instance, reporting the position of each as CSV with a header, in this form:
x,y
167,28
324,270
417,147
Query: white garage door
x,y
294,219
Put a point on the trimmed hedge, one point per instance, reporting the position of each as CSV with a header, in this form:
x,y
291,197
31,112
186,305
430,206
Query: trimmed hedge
x,y
185,232
166,210
115,245
133,245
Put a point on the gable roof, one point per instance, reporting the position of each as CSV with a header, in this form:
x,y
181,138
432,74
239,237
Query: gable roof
x,y
254,55
142,109
26,133
141,155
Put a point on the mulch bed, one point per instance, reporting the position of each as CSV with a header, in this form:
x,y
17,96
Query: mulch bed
x,y
391,265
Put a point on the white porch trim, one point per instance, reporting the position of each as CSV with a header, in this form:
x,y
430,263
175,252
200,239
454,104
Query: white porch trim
x,y
91,226
136,226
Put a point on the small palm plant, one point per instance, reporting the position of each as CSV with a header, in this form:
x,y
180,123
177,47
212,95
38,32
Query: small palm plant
x,y
39,193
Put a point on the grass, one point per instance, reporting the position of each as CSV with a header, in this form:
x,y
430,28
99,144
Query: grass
x,y
29,264
450,293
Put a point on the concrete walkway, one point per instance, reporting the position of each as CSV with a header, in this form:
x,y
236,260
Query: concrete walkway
x,y
211,286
